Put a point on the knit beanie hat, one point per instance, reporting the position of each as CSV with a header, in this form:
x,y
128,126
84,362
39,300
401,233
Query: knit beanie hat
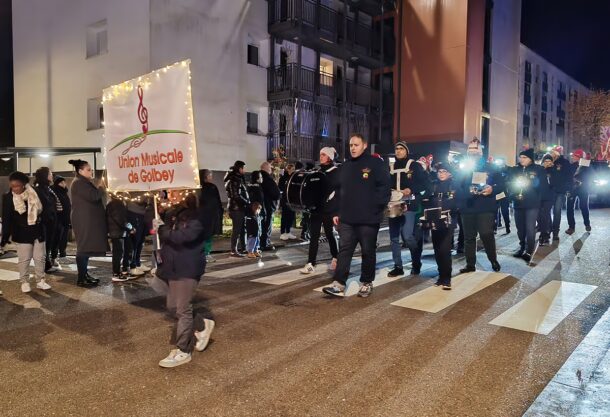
x,y
403,144
329,151
529,153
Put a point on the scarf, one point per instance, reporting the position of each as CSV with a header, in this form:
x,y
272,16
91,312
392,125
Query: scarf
x,y
34,206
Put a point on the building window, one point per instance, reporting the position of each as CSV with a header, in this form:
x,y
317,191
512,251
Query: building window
x,y
253,55
95,114
252,123
526,131
97,39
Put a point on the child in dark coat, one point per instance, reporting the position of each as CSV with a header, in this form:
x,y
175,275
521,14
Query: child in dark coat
x,y
253,229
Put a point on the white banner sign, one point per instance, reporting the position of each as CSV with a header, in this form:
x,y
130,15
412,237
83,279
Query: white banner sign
x,y
149,132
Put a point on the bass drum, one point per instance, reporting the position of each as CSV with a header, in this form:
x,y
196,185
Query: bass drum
x,y
305,190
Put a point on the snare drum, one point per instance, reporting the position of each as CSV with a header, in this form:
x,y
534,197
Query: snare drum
x,y
435,219
305,190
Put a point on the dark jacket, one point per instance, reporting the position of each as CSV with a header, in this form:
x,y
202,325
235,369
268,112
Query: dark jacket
x,y
88,217
547,193
116,219
416,178
255,192
49,202
253,225
271,192
282,185
182,239
15,226
472,204
332,187
211,208
365,190
237,193
582,178
63,216
441,194
561,176
530,195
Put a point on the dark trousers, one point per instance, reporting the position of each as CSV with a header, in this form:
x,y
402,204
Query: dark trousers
x,y
316,222
351,235
287,219
266,228
483,225
238,234
525,219
50,236
82,262
137,239
544,218
460,242
583,202
305,220
60,241
560,200
503,213
121,251
441,241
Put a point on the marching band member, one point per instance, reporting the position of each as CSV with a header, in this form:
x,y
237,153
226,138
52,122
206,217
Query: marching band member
x,y
323,216
409,179
364,194
442,196
548,199
561,184
477,205
580,190
526,190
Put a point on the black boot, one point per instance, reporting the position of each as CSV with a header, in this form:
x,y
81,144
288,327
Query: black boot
x,y
86,282
519,253
92,279
396,272
467,269
495,265
526,257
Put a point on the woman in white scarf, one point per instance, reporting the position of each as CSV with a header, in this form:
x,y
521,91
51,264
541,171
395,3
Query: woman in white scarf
x,y
22,212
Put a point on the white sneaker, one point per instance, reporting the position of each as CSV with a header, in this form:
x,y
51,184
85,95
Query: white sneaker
x,y
136,272
203,337
25,287
291,236
333,264
144,268
57,265
153,271
175,358
210,259
284,236
42,285
308,269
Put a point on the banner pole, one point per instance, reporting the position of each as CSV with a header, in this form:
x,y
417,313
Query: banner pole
x,y
156,196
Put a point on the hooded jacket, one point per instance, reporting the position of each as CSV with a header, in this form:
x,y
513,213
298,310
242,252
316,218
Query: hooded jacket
x,y
236,191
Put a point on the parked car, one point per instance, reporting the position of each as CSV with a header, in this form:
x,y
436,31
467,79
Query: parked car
x,y
599,188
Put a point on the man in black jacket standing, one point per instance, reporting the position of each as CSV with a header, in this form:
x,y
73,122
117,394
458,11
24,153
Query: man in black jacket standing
x,y
365,192
272,194
477,204
239,202
561,183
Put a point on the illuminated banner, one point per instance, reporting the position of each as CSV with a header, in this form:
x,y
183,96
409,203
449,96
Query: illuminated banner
x,y
149,138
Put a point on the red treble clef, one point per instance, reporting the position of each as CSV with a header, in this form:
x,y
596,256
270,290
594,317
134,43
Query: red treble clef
x,y
143,117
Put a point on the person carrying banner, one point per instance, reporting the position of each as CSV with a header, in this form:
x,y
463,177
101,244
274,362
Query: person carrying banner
x,y
239,202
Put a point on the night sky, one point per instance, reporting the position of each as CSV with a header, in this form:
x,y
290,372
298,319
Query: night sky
x,y
574,35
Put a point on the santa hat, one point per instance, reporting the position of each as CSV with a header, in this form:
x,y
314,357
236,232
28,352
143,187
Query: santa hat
x,y
329,151
474,147
558,149
579,153
423,162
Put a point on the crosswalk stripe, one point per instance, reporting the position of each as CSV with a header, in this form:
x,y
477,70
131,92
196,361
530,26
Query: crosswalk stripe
x,y
353,284
8,275
435,299
14,260
96,258
253,267
289,276
543,310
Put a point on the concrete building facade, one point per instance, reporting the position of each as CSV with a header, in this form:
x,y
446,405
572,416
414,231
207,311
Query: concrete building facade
x,y
544,93
66,52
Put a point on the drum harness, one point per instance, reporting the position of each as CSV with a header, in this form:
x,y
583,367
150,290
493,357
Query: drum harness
x,y
398,173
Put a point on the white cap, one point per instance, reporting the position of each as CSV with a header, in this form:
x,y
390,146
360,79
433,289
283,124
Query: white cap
x,y
330,151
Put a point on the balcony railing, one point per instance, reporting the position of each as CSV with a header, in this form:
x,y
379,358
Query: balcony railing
x,y
327,21
290,78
